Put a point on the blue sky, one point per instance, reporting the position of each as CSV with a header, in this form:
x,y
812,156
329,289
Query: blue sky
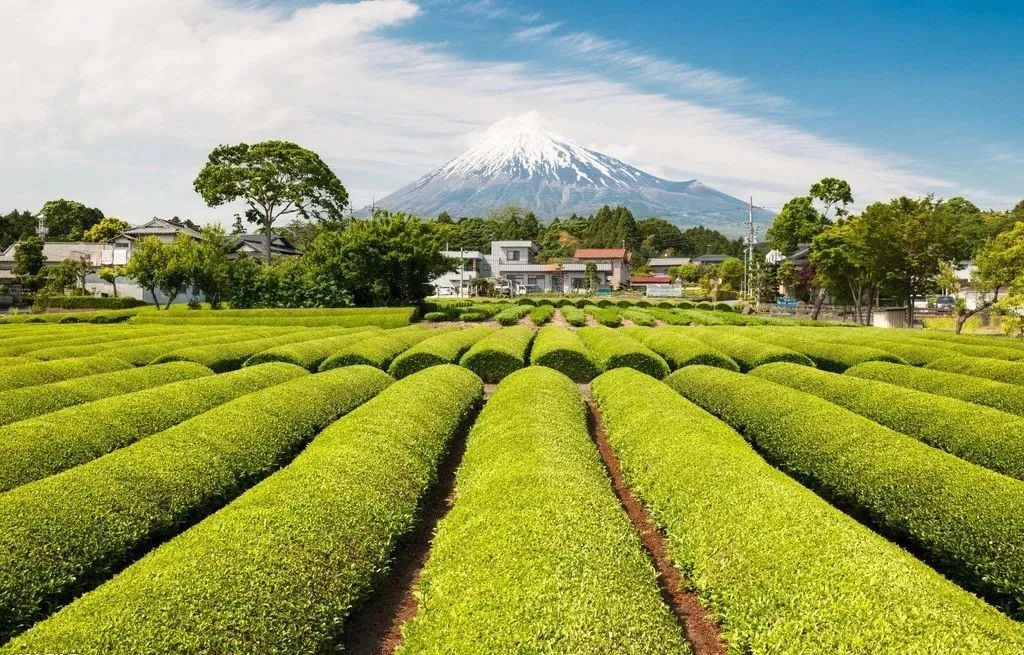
x,y
120,100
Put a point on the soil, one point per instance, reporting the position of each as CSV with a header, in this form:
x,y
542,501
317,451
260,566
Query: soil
x,y
698,624
376,628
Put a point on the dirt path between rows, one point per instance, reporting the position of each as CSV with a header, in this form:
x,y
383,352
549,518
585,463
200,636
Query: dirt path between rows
x,y
376,627
699,626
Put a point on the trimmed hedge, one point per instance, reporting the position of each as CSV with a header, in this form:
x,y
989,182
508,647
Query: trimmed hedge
x,y
914,354
615,349
748,353
541,314
723,307
45,445
982,435
24,403
379,351
605,315
680,350
573,316
441,349
785,572
390,320
639,318
537,554
64,534
68,336
562,349
512,314
279,568
144,337
310,354
498,354
835,357
223,357
88,302
473,317
142,354
965,520
529,302
992,369
36,373
437,317
1002,396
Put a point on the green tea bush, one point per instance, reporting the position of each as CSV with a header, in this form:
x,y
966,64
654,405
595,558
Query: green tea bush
x,y
573,316
785,571
993,369
747,352
487,309
36,373
946,423
684,304
541,314
66,533
704,305
383,317
87,302
143,353
639,317
835,357
48,444
223,357
473,317
912,353
379,351
530,302
310,354
501,353
555,565
606,316
1001,396
435,317
278,569
512,314
26,402
109,339
580,303
680,350
562,349
615,349
444,348
963,519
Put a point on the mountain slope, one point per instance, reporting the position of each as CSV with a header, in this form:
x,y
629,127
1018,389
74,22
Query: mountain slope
x,y
522,163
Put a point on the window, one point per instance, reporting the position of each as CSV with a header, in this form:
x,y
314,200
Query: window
x,y
513,255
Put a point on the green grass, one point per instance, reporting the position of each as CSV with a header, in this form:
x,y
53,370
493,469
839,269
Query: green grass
x,y
279,568
537,555
64,534
964,519
784,571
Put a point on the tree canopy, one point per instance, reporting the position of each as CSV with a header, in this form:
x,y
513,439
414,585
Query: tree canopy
x,y
68,220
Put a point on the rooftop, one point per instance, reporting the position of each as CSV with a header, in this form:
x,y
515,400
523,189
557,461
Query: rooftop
x,y
601,253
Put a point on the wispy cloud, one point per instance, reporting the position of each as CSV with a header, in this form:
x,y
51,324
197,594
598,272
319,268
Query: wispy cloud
x,y
533,33
119,102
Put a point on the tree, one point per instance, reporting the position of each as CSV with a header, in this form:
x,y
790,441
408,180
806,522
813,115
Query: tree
x,y
711,282
211,268
68,274
388,260
274,179
833,193
590,276
16,225
106,230
109,274
246,286
68,220
788,276
28,257
704,241
731,272
238,227
179,268
658,238
688,273
798,222
998,268
146,265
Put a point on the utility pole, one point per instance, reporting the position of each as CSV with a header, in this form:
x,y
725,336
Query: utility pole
x,y
462,269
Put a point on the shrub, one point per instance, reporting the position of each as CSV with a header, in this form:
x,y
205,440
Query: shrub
x,y
916,355
87,302
488,310
64,534
723,307
379,351
580,303
607,316
501,353
542,314
945,423
555,549
565,302
959,516
444,348
748,353
664,304
545,301
604,302
685,304
835,357
644,303
45,445
435,317
310,354
993,369
20,404
562,349
474,317
36,373
574,316
704,305
616,349
778,565
625,304
639,318
1002,396
383,317
281,566
147,350
230,356
680,350
525,301
513,314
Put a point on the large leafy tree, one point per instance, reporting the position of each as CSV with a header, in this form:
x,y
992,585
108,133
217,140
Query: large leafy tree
x,y
705,241
28,257
273,179
798,222
146,265
68,220
659,237
211,268
16,225
834,194
998,269
108,228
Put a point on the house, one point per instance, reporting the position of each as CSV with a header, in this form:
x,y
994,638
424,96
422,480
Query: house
x,y
709,260
660,265
120,249
614,261
54,252
255,245
456,282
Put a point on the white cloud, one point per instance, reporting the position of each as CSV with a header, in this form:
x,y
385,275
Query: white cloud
x,y
119,101
532,33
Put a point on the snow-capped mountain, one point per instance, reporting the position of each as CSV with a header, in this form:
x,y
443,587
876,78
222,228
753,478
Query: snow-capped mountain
x,y
522,163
